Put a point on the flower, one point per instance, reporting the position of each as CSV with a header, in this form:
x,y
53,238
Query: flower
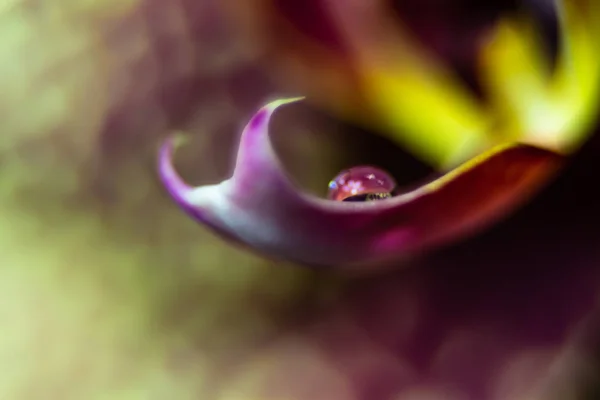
x,y
259,206
540,120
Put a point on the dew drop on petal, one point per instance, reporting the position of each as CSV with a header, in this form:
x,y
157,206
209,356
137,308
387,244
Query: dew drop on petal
x,y
362,183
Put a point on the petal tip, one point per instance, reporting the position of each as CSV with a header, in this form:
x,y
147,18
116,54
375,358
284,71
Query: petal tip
x,y
281,102
176,187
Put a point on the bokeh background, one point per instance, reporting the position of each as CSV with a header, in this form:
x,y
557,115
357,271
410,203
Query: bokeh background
x,y
108,291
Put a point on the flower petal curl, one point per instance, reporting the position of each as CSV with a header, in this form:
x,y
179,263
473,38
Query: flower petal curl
x,y
260,206
554,109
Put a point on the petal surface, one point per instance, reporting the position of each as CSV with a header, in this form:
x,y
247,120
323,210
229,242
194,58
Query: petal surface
x,y
553,109
261,207
370,70
400,79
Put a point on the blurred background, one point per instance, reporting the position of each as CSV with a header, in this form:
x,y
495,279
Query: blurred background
x,y
108,291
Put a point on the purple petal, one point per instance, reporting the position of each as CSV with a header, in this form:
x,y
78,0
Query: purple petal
x,y
260,207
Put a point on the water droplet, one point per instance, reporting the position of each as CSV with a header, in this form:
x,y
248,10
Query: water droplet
x,y
362,183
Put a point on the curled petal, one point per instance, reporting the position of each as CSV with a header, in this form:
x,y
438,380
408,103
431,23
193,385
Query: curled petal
x,y
551,109
261,207
578,78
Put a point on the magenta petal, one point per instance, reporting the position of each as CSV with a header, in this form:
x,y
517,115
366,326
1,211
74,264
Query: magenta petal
x,y
260,207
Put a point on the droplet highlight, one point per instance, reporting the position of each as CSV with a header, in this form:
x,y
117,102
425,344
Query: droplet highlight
x,y
361,183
